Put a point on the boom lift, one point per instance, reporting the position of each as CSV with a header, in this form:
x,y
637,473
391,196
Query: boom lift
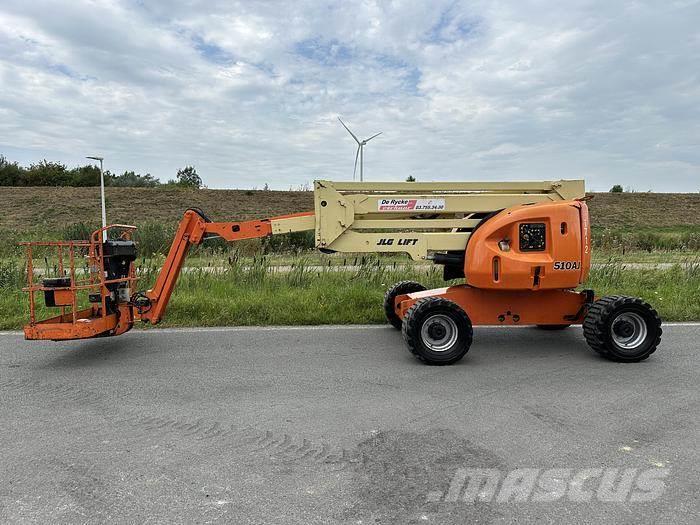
x,y
522,248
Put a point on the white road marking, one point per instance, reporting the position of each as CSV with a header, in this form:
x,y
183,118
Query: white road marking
x,y
182,330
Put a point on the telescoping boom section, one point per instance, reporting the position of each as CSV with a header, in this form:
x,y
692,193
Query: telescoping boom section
x,y
521,249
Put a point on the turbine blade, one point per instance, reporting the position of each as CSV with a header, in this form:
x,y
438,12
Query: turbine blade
x,y
354,170
351,133
375,135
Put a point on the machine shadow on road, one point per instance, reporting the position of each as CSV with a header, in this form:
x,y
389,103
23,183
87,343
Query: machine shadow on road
x,y
95,352
493,344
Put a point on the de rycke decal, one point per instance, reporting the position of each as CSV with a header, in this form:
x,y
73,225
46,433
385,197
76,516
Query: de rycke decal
x,y
410,204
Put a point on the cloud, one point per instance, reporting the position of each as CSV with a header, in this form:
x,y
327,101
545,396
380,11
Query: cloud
x,y
249,91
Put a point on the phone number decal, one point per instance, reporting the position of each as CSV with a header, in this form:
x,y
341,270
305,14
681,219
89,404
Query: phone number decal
x,y
410,204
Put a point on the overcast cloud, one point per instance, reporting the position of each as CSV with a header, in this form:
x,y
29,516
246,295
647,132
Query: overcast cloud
x,y
248,92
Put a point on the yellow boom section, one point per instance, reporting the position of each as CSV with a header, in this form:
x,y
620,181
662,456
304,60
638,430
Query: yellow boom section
x,y
418,217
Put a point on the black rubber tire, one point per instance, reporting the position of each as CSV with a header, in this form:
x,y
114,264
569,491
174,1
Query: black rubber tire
x,y
553,327
422,311
597,328
400,288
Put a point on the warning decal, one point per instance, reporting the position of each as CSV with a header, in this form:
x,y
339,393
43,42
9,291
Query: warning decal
x,y
410,204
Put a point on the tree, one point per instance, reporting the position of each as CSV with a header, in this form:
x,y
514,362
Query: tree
x,y
132,179
188,178
86,176
47,173
11,174
410,178
616,189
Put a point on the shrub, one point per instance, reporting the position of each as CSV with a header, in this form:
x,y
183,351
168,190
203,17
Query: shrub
x,y
79,231
153,237
291,242
12,275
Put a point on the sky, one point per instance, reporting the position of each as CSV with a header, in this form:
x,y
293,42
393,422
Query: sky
x,y
249,92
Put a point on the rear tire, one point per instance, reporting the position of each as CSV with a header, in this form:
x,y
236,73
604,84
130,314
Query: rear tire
x,y
437,331
622,328
400,288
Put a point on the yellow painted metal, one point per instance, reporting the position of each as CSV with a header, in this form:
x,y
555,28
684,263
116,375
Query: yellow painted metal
x,y
351,216
345,210
565,189
293,224
416,244
412,224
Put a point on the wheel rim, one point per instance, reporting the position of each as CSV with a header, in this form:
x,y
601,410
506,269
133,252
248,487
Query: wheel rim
x,y
439,332
628,330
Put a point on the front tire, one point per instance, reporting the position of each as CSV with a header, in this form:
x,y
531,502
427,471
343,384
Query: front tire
x,y
622,328
400,288
437,331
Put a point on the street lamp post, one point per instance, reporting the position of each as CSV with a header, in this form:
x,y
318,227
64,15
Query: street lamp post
x,y
102,190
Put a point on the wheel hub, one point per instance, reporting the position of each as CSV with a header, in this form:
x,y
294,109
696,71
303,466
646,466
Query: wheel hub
x,y
629,330
623,328
436,330
439,333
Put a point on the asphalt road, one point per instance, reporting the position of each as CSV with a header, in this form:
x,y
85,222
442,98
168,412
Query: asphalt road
x,y
342,425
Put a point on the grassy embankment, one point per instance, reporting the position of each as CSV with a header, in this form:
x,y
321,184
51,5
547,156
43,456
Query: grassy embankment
x,y
634,227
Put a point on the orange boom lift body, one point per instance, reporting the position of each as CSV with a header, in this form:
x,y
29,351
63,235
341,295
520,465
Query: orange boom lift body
x,y
521,265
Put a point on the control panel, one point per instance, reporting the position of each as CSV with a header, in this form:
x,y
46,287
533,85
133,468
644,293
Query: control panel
x,y
533,237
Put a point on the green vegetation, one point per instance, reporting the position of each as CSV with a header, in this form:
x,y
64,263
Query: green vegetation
x,y
242,293
154,237
646,239
260,297
187,177
48,173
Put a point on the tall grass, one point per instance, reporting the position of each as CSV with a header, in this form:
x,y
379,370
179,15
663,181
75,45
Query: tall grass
x,y
674,292
154,238
621,240
242,293
259,294
12,275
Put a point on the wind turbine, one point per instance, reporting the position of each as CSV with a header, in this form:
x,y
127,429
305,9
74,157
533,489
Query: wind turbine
x,y
360,150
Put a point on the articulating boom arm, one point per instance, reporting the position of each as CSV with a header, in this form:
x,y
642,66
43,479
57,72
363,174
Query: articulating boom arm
x,y
195,228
